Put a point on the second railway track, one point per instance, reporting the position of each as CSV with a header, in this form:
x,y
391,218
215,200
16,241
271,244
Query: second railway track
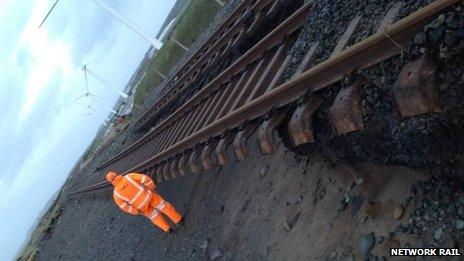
x,y
254,95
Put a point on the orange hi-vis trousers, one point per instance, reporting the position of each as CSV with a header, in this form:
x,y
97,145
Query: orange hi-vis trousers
x,y
157,205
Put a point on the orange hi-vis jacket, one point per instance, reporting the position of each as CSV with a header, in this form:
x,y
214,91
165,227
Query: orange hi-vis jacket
x,y
129,193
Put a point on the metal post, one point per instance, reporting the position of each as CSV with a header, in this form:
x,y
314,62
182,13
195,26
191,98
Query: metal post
x,y
160,74
179,44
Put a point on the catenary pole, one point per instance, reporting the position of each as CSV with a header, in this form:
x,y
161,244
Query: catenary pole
x,y
153,41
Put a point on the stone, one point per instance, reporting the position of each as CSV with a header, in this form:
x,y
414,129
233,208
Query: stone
x,y
398,213
334,255
264,171
367,243
452,22
341,206
356,204
328,226
347,199
459,224
360,180
437,22
461,34
370,209
443,87
215,255
419,38
461,199
287,227
461,211
204,246
450,40
438,234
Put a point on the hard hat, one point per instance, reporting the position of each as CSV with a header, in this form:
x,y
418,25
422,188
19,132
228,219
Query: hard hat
x,y
110,176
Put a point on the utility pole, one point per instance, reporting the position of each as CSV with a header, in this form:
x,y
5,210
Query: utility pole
x,y
153,41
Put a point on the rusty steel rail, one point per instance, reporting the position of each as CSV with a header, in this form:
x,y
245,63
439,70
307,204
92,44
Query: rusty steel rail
x,y
213,52
250,96
92,189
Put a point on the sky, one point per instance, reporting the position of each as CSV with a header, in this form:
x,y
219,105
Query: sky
x,y
43,130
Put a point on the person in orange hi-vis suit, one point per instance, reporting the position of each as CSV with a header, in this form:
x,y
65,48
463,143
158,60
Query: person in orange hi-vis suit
x,y
134,193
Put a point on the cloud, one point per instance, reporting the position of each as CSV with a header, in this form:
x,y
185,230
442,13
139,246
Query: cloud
x,y
42,155
45,59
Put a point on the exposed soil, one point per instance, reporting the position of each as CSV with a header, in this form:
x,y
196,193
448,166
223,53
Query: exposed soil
x,y
265,208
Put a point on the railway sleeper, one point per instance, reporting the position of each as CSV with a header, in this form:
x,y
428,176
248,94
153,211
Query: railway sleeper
x,y
415,91
266,132
240,141
300,126
173,169
206,156
166,171
181,165
345,114
277,8
193,162
159,174
221,149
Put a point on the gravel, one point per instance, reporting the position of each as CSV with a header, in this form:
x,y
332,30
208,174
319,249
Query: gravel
x,y
436,211
367,243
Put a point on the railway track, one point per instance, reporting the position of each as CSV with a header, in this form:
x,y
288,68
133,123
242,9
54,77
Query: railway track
x,y
254,96
247,24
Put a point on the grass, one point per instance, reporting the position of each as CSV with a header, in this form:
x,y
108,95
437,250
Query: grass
x,y
198,15
166,58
